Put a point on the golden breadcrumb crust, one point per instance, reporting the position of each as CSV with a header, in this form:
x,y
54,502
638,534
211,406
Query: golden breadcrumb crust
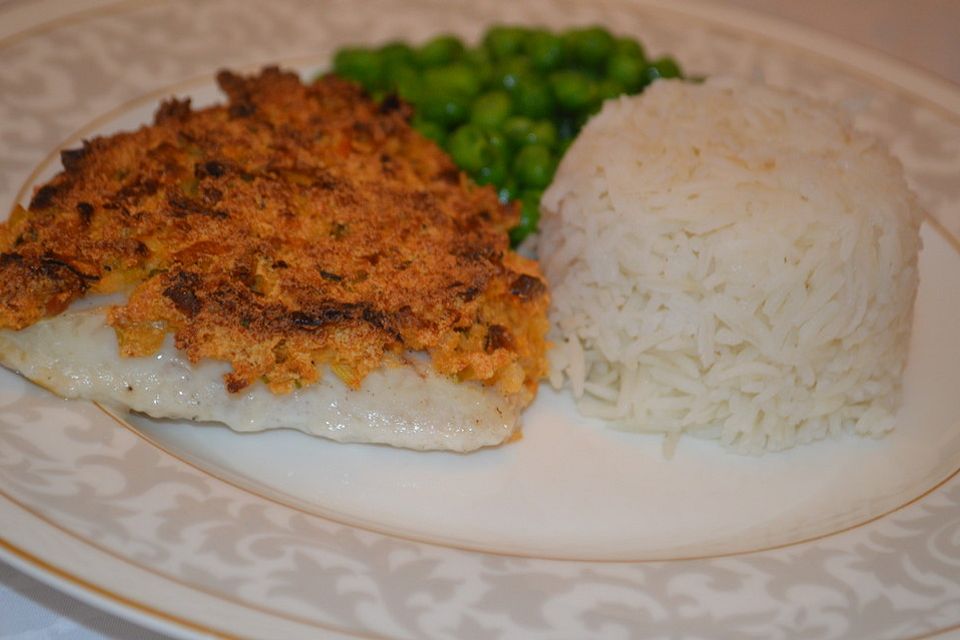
x,y
294,226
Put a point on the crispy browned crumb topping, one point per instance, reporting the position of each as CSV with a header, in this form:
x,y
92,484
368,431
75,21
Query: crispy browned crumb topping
x,y
295,226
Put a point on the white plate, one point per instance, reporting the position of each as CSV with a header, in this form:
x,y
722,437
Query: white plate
x,y
573,532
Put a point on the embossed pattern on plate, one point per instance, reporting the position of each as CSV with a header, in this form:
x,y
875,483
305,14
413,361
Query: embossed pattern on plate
x,y
169,537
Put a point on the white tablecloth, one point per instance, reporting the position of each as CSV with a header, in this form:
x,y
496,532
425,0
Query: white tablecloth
x,y
30,610
923,32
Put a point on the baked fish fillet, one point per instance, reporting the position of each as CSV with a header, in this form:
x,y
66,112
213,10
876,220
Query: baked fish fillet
x,y
297,257
406,405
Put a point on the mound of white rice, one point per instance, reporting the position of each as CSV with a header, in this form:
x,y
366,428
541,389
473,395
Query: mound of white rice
x,y
731,261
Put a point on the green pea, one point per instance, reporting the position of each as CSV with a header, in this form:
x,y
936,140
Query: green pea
x,y
629,47
405,80
490,109
532,196
627,71
396,53
503,42
444,109
495,172
520,232
543,132
472,150
482,154
545,50
529,216
534,166
362,65
508,190
512,72
446,94
454,79
483,67
438,51
430,130
609,88
476,56
533,98
521,131
516,128
498,142
590,46
662,68
574,90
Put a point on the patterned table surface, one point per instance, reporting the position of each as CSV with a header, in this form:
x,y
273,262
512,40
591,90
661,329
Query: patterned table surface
x,y
921,32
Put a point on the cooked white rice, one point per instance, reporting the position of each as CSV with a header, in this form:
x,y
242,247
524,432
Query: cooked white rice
x,y
731,261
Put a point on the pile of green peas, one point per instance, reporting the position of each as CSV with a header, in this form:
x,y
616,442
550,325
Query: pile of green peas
x,y
507,109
